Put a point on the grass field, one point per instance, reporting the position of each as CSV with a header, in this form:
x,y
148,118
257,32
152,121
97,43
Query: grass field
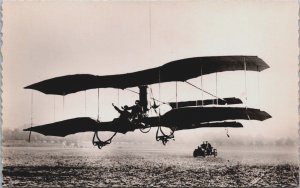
x,y
147,165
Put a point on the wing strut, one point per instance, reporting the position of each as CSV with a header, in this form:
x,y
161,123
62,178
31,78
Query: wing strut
x,y
164,138
201,86
31,114
258,89
217,88
63,104
245,71
118,97
177,96
54,112
98,106
85,102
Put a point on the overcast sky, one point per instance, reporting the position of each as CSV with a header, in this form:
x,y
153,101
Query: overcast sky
x,y
49,39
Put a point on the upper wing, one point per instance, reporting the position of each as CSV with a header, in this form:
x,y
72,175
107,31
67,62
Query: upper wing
x,y
223,101
179,70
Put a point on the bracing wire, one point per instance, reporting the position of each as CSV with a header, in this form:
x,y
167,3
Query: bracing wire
x,y
132,91
204,90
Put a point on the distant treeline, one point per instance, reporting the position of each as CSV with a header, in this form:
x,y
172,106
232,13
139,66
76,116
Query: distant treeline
x,y
17,134
20,135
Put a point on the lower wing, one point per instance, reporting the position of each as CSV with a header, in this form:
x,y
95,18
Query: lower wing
x,y
179,119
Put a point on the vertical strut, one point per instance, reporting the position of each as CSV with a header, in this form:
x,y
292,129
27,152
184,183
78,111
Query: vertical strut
x,y
31,109
245,70
63,104
54,107
217,88
258,89
176,96
201,87
118,97
85,102
159,91
31,114
98,106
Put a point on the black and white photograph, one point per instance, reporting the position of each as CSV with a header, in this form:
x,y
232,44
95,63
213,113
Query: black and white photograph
x,y
130,93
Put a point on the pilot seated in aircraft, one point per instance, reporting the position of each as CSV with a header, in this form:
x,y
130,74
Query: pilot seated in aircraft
x,y
134,116
136,111
124,114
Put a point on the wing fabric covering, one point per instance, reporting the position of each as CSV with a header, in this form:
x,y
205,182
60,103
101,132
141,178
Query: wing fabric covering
x,y
181,118
179,70
223,101
186,118
231,124
80,124
190,115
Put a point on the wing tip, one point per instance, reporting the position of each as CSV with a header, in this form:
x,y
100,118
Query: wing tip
x,y
264,64
28,87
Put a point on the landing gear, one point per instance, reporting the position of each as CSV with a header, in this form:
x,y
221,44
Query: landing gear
x,y
164,138
145,129
101,143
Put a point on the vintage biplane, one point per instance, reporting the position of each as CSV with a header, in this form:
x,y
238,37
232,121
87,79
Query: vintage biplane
x,y
183,115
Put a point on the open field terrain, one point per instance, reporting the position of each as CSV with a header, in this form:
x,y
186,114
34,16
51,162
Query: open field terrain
x,y
130,165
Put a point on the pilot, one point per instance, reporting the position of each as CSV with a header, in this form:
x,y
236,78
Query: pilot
x,y
136,111
124,114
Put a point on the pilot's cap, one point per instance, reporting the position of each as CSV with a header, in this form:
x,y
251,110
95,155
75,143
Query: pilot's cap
x,y
137,102
125,107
